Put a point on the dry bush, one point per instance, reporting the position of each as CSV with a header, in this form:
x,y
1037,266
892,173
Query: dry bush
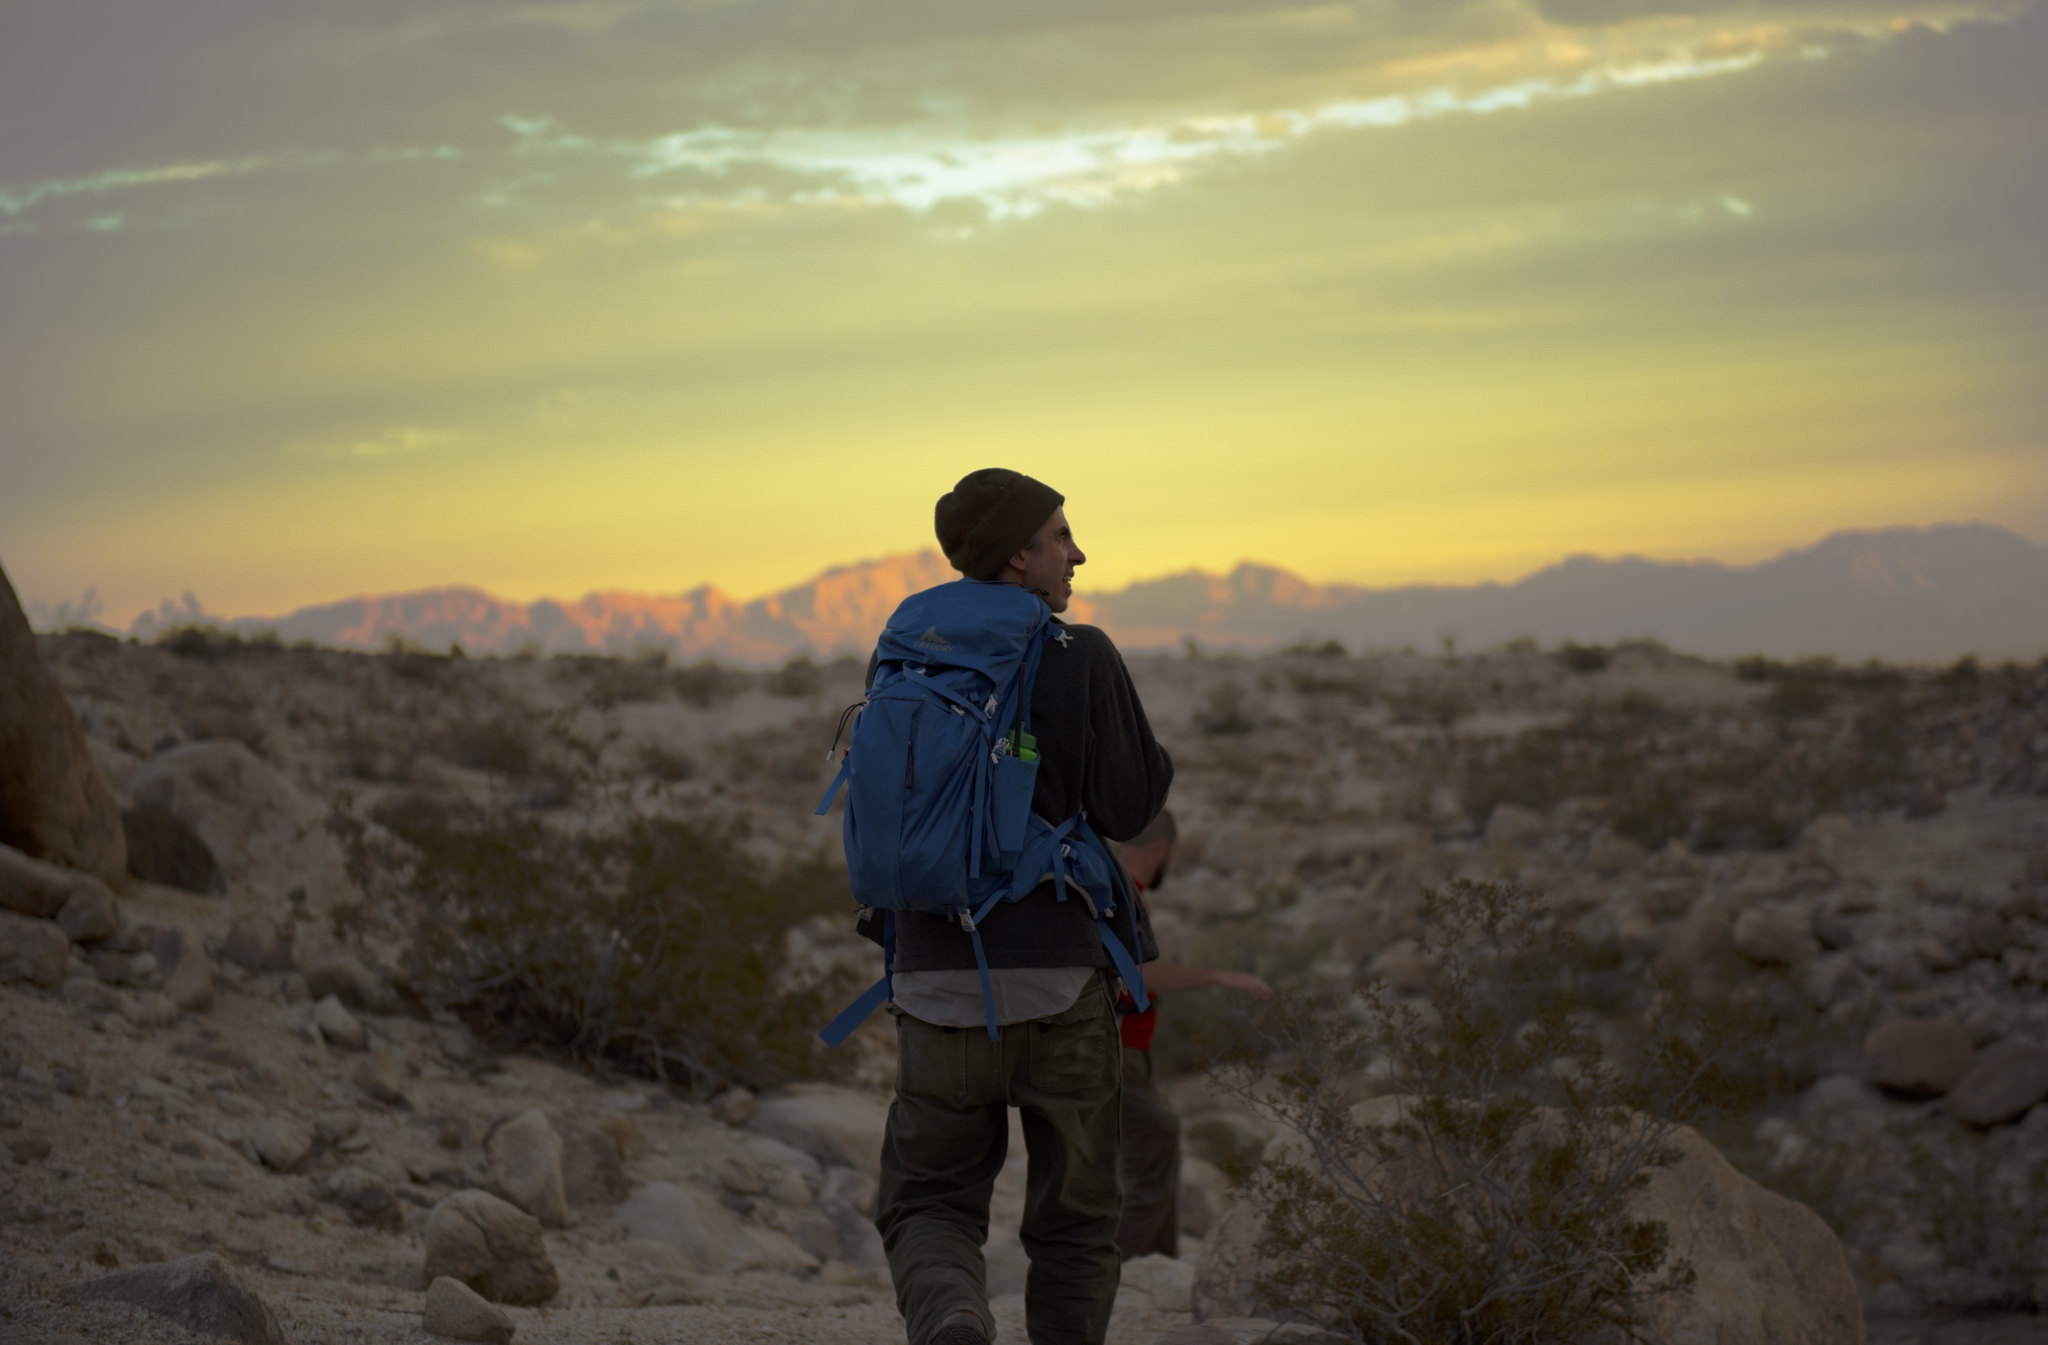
x,y
657,945
1495,1208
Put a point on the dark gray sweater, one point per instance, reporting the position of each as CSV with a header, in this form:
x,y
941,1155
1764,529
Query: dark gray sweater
x,y
1095,751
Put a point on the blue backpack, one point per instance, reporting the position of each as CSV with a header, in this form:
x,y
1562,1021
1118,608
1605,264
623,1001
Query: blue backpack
x,y
938,776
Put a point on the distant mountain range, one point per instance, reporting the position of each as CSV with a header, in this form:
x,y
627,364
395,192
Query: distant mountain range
x,y
1904,594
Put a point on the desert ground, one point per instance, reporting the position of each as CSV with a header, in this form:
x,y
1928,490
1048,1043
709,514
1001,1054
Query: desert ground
x,y
259,1062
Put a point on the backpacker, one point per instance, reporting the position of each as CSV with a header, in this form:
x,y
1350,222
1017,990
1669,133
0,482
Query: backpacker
x,y
938,775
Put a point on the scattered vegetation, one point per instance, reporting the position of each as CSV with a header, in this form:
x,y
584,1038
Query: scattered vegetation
x,y
655,946
1487,1196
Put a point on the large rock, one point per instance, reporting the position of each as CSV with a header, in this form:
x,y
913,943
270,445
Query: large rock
x,y
364,1196
53,803
35,951
591,1171
163,848
263,830
283,1146
255,942
526,1166
458,1312
199,1293
1924,1057
705,1231
836,1126
2003,1081
1769,1270
338,1026
493,1247
187,974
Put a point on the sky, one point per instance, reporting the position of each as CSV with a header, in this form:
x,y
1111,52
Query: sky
x,y
303,301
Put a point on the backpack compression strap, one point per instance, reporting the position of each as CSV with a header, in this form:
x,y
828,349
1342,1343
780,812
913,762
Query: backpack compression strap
x,y
874,997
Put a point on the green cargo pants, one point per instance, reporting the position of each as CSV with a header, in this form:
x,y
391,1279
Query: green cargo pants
x,y
948,1134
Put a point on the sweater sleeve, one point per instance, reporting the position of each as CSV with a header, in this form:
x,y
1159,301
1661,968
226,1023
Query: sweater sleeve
x,y
1128,771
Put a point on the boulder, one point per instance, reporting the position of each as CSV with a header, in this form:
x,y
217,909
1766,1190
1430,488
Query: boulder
x,y
338,1026
364,1197
53,803
493,1247
591,1171
255,942
263,831
2002,1083
1768,1269
832,1125
1770,940
734,1106
683,1218
35,951
163,849
526,1166
1611,855
1167,1281
199,1293
458,1312
654,1274
1922,1057
283,1145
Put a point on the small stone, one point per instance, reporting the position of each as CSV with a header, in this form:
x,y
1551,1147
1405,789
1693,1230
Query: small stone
x,y
257,943
282,1145
36,951
2005,1080
334,1126
118,968
88,913
1770,940
1512,825
150,1008
199,1293
458,1312
155,1176
382,1078
1924,1057
734,1106
30,1149
338,1025
526,1165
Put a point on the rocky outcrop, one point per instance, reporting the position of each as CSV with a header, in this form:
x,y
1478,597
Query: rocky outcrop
x,y
1768,1269
53,803
199,1293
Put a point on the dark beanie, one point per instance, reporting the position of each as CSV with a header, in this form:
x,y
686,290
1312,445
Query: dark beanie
x,y
988,518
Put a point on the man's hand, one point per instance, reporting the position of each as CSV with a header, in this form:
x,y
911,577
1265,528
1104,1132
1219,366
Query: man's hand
x,y
1170,977
1243,982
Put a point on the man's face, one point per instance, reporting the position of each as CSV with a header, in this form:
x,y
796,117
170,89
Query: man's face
x,y
1047,569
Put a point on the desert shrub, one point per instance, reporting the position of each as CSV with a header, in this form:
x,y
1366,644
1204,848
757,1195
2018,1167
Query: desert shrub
x,y
1437,705
1226,711
708,683
608,680
1490,1200
502,746
657,946
211,644
666,763
798,678
1583,658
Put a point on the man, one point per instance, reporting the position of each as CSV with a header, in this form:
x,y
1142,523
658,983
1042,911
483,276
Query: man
x,y
1150,1164
1058,1057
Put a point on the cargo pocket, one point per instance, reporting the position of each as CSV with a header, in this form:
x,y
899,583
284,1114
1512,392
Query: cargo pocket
x,y
1070,1052
930,1061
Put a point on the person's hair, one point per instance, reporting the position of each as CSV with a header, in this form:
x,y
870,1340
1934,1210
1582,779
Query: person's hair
x,y
1160,828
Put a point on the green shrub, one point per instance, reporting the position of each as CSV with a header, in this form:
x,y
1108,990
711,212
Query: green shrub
x,y
1495,1205
657,946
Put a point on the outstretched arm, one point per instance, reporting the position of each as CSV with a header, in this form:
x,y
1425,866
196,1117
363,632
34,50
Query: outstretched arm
x,y
1169,977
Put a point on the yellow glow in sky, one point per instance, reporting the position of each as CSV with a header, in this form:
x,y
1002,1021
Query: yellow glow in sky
x,y
652,294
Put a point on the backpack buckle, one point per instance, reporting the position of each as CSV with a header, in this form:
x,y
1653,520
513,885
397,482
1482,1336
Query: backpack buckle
x,y
967,920
988,711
